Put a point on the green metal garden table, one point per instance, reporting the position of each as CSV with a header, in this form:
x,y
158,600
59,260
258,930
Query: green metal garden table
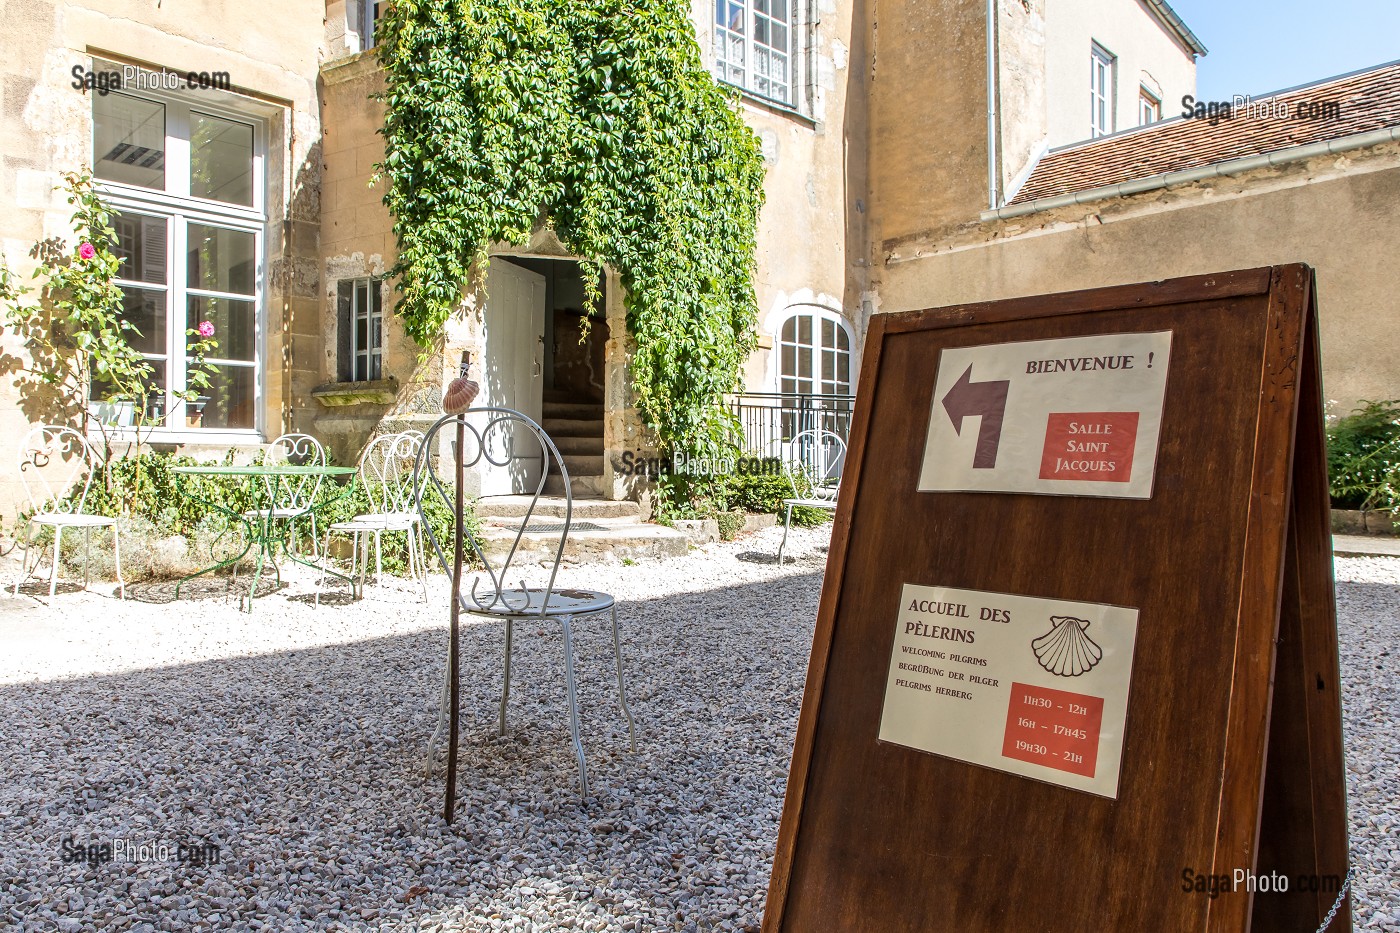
x,y
266,483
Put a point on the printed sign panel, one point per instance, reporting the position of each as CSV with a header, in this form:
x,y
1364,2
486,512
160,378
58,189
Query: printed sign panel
x,y
1036,687
1077,416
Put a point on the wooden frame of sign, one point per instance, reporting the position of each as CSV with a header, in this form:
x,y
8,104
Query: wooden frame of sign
x,y
1228,744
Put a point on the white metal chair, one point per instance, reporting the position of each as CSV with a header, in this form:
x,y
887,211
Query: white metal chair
x,y
386,472
509,434
54,463
813,466
294,498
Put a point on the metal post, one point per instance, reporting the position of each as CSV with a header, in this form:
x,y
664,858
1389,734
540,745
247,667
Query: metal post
x,y
451,802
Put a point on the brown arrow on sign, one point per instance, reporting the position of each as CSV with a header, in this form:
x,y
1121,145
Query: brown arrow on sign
x,y
986,400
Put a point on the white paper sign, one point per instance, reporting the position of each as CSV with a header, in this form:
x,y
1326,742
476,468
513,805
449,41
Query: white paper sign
x,y
1079,416
1035,687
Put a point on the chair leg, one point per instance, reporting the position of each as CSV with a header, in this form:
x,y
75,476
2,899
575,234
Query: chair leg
x,y
568,625
787,522
117,560
441,722
379,557
621,684
53,571
315,551
87,557
416,541
24,570
505,687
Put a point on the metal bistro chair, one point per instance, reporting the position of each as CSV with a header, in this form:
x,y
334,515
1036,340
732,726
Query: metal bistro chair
x,y
498,436
295,498
54,462
813,469
386,471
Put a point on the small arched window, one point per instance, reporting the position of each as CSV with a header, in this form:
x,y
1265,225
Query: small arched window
x,y
814,352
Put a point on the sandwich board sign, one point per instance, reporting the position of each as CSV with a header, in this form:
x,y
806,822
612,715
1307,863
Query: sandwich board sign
x,y
1075,666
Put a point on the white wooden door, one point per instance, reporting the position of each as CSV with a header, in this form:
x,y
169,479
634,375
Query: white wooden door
x,y
513,372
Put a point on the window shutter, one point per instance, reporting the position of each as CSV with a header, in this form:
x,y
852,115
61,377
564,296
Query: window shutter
x,y
345,363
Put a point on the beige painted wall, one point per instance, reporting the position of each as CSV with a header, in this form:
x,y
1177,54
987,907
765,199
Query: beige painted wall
x,y
271,51
1336,213
1146,54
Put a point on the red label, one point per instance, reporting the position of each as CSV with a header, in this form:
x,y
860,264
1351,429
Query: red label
x,y
1053,728
1093,445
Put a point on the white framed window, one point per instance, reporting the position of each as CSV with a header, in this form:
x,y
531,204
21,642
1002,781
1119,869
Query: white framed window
x,y
755,47
814,353
370,11
1101,95
184,176
1149,106
361,304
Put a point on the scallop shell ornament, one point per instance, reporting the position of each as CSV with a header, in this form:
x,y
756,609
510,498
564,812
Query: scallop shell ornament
x,y
1067,650
462,391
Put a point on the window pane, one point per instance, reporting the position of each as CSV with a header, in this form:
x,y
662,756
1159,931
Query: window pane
x,y
361,333
128,140
228,402
221,159
843,371
804,363
122,413
235,325
789,359
804,330
222,260
140,247
145,308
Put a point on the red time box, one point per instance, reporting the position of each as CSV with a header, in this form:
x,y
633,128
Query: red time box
x,y
1054,728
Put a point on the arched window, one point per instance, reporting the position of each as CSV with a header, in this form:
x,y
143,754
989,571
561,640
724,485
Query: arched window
x,y
814,352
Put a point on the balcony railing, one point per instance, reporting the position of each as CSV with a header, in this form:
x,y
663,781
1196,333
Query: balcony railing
x,y
772,419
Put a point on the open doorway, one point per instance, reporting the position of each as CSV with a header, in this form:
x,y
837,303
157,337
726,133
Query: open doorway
x,y
535,362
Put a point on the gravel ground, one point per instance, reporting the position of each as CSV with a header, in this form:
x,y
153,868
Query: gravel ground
x,y
293,739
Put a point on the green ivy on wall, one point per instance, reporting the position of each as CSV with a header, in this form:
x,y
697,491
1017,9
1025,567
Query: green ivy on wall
x,y
599,118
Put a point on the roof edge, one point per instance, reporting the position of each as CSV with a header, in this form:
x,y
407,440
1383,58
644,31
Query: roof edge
x,y
1176,26
1186,176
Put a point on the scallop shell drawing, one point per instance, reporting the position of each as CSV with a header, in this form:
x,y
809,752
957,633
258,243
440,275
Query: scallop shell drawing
x,y
462,391
1066,650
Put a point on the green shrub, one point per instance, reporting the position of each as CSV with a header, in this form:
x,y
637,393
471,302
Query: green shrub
x,y
763,491
730,523
1363,457
167,507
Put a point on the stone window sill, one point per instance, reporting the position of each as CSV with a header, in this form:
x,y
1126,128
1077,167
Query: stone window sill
x,y
373,392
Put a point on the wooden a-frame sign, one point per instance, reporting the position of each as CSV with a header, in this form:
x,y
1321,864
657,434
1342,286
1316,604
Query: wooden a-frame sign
x,y
1137,570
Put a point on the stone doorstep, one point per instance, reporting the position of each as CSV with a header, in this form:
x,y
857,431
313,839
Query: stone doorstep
x,y
554,507
618,536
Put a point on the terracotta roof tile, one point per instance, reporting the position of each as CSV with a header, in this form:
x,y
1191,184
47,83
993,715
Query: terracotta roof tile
x,y
1348,105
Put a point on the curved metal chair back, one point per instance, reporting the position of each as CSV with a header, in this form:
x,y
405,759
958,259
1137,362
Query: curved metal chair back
x,y
817,458
296,494
491,437
54,462
386,470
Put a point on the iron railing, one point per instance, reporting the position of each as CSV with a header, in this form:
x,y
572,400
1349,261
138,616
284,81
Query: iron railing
x,y
769,419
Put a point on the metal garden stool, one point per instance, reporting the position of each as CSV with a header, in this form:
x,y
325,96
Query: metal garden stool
x,y
502,437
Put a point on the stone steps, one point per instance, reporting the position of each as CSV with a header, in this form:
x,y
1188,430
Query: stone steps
x,y
590,539
554,507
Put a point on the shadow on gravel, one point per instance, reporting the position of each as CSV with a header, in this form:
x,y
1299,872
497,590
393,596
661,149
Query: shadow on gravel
x,y
305,769
162,592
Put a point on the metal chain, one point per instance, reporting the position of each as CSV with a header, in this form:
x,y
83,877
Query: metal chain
x,y
1337,904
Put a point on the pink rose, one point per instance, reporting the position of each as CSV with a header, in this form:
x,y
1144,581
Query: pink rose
x,y
206,329
86,251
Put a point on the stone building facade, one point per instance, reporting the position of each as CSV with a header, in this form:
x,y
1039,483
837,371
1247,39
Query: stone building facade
x,y
239,154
